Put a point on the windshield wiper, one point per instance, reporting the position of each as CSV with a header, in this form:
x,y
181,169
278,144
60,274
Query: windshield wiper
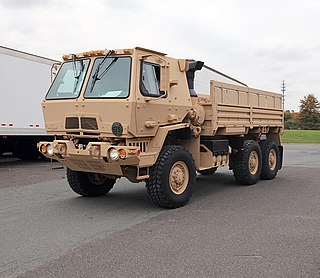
x,y
77,76
96,73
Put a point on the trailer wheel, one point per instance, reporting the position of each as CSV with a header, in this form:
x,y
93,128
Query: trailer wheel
x,y
172,178
248,163
207,172
270,159
89,184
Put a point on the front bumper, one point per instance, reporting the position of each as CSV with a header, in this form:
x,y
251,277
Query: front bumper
x,y
95,157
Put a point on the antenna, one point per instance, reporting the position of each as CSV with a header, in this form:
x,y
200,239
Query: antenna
x,y
283,90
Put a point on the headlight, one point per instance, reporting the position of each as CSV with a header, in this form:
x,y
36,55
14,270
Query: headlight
x,y
114,154
49,149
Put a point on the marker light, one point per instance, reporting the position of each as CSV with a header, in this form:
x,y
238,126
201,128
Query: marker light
x,y
93,53
99,52
134,151
127,51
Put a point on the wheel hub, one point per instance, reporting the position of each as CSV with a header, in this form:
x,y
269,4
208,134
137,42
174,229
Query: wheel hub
x,y
272,159
97,179
253,162
179,177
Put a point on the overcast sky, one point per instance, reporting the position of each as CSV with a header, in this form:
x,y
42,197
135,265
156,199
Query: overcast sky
x,y
260,43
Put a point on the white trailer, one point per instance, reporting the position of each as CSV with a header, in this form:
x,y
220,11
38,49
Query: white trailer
x,y
24,79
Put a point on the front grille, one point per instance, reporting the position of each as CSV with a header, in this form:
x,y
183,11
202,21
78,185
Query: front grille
x,y
89,123
142,145
72,123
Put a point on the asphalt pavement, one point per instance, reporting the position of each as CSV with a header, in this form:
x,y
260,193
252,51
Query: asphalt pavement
x,y
270,229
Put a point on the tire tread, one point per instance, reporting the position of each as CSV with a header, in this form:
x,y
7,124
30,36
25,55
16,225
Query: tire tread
x,y
81,185
153,185
240,170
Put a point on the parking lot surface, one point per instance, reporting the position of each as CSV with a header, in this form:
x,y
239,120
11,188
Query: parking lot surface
x,y
270,229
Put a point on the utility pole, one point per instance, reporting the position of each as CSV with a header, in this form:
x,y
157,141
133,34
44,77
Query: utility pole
x,y
283,90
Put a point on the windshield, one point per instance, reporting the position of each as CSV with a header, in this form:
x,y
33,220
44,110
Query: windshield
x,y
69,80
110,79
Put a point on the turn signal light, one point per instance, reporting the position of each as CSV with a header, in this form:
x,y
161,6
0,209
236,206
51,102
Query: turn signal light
x,y
122,154
43,149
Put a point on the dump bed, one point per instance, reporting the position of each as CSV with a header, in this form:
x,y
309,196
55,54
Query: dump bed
x,y
234,110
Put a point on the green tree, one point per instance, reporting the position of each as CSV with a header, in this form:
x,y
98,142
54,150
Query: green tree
x,y
309,115
289,121
287,115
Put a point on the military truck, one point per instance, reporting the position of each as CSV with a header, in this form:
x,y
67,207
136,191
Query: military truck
x,y
135,113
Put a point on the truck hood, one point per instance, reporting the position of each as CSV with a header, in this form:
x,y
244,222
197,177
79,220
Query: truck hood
x,y
106,118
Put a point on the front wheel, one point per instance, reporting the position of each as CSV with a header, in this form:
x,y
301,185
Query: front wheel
x,y
172,178
247,165
89,184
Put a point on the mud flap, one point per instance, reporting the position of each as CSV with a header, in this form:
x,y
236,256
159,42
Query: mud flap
x,y
281,156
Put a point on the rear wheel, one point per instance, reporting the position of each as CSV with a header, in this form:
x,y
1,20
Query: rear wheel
x,y
207,172
247,168
172,178
89,184
270,159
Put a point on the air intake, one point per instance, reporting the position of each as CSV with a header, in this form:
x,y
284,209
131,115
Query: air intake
x,y
89,123
72,123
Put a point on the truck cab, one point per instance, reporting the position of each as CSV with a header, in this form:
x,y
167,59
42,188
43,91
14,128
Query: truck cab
x,y
129,87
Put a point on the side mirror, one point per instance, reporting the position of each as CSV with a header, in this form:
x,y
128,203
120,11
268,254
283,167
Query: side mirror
x,y
54,70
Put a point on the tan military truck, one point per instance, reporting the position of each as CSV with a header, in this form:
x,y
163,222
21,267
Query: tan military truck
x,y
134,113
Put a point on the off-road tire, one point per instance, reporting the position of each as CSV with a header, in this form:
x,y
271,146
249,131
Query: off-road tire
x,y
163,174
82,184
270,159
207,172
244,171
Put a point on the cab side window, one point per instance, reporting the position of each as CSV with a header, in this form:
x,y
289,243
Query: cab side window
x,y
150,80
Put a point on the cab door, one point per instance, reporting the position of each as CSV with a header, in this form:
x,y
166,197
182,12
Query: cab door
x,y
153,105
